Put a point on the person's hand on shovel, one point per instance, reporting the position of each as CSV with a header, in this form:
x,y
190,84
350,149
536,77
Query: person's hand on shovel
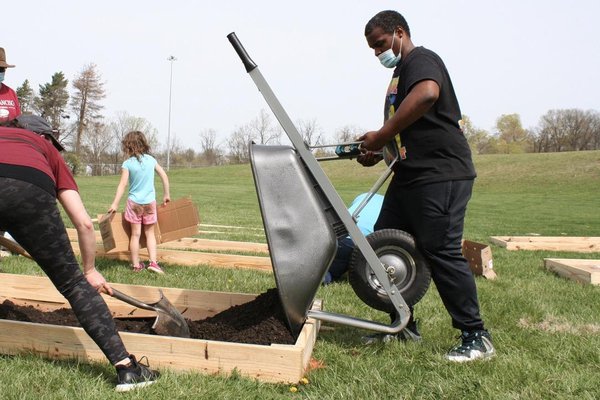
x,y
97,281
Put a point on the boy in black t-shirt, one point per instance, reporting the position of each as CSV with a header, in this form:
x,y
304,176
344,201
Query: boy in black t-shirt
x,y
433,179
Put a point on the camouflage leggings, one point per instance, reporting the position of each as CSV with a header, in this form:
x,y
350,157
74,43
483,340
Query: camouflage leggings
x,y
31,216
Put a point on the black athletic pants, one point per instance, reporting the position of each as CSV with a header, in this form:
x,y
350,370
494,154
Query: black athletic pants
x,y
31,216
434,214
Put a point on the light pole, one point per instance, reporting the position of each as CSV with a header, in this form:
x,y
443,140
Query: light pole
x,y
171,59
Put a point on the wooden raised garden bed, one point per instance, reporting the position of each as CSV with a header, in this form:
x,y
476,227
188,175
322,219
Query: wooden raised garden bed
x,y
584,271
552,243
193,252
269,363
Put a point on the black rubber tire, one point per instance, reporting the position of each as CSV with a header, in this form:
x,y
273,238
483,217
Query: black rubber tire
x,y
396,248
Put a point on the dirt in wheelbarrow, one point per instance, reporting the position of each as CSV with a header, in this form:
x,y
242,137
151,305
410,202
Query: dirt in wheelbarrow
x,y
260,321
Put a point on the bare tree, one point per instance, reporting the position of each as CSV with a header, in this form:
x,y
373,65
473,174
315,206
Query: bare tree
x,y
595,127
310,131
97,145
581,129
263,130
181,156
85,101
568,130
348,133
238,145
189,155
210,152
123,123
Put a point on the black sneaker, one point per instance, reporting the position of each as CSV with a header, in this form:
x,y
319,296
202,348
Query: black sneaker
x,y
474,345
409,333
134,375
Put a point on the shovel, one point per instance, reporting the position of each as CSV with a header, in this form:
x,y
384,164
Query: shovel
x,y
169,321
14,247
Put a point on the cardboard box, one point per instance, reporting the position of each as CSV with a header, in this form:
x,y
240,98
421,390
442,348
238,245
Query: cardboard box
x,y
176,220
480,260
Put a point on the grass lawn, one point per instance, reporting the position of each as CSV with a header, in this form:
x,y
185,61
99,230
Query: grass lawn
x,y
546,329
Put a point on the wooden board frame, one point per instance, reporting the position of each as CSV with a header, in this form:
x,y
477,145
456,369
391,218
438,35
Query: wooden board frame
x,y
274,363
190,258
173,253
584,271
196,244
552,243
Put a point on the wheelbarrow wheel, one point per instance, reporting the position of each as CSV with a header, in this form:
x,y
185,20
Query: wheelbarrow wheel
x,y
409,271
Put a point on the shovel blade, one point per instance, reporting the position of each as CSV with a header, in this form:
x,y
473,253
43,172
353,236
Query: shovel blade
x,y
169,321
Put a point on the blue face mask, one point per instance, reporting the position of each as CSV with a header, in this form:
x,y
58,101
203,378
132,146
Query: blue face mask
x,y
1,76
388,59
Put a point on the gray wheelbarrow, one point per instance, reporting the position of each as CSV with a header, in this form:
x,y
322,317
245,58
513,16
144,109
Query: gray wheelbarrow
x,y
303,217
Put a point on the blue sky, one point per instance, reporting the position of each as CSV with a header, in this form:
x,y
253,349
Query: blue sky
x,y
524,57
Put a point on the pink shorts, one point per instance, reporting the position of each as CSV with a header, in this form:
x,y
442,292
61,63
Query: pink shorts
x,y
144,214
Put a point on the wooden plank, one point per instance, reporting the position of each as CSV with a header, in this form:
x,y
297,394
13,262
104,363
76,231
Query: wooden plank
x,y
553,243
196,244
228,233
275,363
556,239
584,271
230,227
22,286
266,363
184,258
191,258
250,228
215,245
308,335
197,305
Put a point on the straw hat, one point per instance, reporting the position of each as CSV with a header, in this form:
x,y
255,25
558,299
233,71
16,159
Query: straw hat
x,y
3,63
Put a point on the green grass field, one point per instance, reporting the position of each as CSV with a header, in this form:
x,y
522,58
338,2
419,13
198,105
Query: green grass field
x,y
546,329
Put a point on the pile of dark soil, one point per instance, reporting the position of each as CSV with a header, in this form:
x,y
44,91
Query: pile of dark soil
x,y
261,321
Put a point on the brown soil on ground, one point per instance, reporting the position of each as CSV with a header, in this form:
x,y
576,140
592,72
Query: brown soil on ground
x,y
260,321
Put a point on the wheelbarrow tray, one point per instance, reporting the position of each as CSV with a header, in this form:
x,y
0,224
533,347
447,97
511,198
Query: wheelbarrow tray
x,y
274,363
300,227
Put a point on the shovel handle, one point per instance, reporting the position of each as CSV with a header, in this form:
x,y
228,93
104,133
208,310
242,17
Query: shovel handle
x,y
130,300
14,247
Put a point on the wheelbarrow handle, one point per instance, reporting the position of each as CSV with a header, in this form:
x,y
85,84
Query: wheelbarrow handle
x,y
133,301
322,146
241,51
